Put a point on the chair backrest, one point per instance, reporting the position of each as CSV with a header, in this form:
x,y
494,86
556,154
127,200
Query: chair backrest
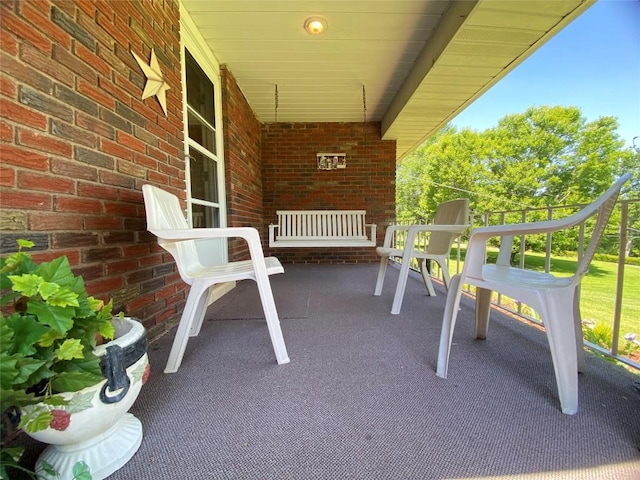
x,y
164,213
453,212
602,207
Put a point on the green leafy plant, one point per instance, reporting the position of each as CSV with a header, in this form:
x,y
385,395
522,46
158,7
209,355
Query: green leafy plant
x,y
48,331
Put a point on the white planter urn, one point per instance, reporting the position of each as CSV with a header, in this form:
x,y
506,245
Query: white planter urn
x,y
95,427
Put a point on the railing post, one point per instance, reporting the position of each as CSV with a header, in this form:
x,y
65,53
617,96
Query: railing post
x,y
617,311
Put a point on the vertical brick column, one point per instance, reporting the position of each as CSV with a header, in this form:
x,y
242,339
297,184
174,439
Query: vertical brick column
x,y
243,163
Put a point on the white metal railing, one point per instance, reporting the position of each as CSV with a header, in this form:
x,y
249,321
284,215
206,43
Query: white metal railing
x,y
624,235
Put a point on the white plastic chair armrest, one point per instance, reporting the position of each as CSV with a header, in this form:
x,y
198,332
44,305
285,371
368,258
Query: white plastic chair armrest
x,y
250,234
439,228
389,233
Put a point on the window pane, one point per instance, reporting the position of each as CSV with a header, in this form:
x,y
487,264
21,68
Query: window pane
x,y
199,90
204,179
205,216
201,133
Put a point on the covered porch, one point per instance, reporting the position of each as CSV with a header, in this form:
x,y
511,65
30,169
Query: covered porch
x,y
361,400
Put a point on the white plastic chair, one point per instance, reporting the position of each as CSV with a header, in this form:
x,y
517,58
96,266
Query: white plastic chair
x,y
450,221
556,299
167,222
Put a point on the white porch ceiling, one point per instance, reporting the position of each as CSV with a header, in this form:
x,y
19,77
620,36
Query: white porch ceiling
x,y
421,61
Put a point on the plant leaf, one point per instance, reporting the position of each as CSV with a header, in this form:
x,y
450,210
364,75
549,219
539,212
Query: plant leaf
x,y
59,297
74,381
26,368
35,420
58,318
27,283
8,370
70,348
27,331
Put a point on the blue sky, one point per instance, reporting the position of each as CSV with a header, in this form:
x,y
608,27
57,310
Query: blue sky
x,y
593,64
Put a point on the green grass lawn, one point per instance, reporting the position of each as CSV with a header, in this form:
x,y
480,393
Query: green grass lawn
x,y
598,289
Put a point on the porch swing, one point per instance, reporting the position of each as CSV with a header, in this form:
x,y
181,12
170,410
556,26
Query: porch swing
x,y
322,228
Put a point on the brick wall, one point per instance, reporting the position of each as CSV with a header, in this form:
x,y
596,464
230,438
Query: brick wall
x,y
243,164
292,181
77,142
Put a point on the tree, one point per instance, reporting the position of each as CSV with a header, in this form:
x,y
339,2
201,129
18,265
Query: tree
x,y
543,157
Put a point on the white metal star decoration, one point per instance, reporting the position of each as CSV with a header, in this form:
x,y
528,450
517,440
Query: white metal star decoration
x,y
155,85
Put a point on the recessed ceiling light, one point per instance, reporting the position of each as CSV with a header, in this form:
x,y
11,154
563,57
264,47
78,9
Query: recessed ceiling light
x,y
315,25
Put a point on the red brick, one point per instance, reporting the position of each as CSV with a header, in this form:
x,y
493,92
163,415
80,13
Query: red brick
x,y
115,91
43,142
146,162
115,149
38,13
120,209
7,176
25,31
72,255
140,302
74,170
116,179
92,59
47,183
25,200
48,222
19,114
107,24
96,94
73,63
129,168
66,6
121,267
87,21
8,42
8,87
156,177
89,8
138,250
43,63
131,142
78,205
104,286
102,223
6,132
95,126
93,190
21,157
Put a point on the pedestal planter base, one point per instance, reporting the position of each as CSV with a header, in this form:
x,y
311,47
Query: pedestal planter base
x,y
103,454
93,425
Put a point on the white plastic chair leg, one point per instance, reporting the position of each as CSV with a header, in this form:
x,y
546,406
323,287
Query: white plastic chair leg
x,y
483,310
200,312
561,336
184,327
448,323
426,277
384,261
446,277
273,322
577,322
402,284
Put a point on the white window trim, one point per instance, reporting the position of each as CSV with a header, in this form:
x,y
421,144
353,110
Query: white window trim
x,y
190,39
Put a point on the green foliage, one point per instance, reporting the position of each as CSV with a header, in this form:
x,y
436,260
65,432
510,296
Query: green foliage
x,y
48,331
545,156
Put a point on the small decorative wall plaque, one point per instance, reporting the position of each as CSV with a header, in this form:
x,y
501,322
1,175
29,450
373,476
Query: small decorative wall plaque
x,y
331,161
